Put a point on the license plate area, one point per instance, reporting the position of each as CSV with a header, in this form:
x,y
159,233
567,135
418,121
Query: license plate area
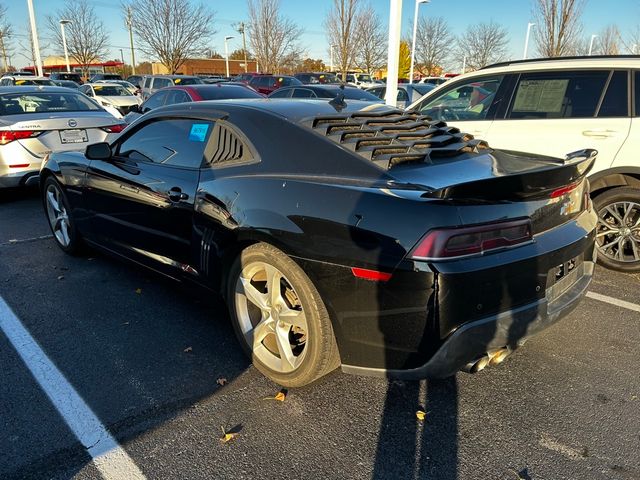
x,y
562,277
76,135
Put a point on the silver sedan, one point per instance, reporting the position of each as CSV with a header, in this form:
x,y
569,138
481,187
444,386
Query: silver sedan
x,y
36,121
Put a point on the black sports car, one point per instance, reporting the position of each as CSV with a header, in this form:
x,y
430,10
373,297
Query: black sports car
x,y
339,234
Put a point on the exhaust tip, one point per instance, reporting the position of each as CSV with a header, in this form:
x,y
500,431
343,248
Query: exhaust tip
x,y
499,356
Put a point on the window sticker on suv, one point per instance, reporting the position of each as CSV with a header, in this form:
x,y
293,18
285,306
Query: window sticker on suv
x,y
198,132
540,96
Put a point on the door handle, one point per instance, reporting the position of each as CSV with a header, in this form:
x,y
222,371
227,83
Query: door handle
x,y
599,133
176,194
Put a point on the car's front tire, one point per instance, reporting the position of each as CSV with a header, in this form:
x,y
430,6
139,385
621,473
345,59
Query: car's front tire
x,y
618,231
279,317
58,211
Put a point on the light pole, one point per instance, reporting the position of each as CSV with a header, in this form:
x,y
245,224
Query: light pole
x,y
393,53
129,22
526,40
226,52
122,57
34,37
413,42
64,43
593,37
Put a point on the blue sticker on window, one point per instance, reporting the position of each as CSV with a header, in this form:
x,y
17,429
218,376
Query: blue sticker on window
x,y
198,132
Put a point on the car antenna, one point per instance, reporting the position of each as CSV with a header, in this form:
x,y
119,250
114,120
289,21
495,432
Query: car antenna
x,y
338,102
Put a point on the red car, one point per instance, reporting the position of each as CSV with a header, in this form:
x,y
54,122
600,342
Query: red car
x,y
270,83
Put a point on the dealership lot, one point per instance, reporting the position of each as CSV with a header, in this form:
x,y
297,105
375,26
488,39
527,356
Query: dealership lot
x,y
145,355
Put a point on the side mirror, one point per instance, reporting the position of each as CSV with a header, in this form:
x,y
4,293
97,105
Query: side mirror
x,y
98,151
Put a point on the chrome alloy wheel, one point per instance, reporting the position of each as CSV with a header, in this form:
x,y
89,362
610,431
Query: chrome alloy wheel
x,y
58,216
271,317
618,232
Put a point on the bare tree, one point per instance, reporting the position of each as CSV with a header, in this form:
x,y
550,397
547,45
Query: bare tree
x,y
26,48
86,35
483,44
433,45
631,43
371,48
558,26
171,31
608,42
273,38
340,25
6,34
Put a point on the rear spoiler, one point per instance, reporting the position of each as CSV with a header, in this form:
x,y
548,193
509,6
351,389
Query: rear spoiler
x,y
519,176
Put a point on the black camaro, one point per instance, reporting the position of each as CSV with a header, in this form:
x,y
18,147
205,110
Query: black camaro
x,y
339,234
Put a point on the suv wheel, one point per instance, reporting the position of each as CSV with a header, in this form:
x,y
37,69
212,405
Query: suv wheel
x,y
618,231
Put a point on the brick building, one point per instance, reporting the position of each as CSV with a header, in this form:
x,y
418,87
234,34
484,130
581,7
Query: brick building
x,y
200,66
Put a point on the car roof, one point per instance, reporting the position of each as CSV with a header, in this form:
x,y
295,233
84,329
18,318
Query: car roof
x,y
26,77
34,88
601,61
294,110
172,76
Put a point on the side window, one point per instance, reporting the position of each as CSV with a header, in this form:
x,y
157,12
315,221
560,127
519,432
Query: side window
x,y
466,101
558,95
351,79
176,141
264,81
161,83
176,96
147,82
154,101
402,95
282,93
615,102
302,93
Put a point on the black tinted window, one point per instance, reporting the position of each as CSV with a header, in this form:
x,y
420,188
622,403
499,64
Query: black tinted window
x,y
178,142
558,95
154,101
615,102
282,93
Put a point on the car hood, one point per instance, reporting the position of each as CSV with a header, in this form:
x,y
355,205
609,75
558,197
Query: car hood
x,y
120,101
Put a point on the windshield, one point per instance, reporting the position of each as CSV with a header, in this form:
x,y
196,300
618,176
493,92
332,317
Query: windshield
x,y
187,81
111,91
324,78
229,91
358,94
363,77
34,82
41,102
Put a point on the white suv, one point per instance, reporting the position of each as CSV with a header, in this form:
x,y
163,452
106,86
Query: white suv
x,y
553,107
360,80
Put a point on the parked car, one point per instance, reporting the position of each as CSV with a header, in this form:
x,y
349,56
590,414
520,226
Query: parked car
x,y
247,77
192,93
135,80
153,83
314,78
112,95
407,92
104,76
36,121
132,89
324,91
270,83
370,238
8,80
67,84
68,76
552,106
433,80
360,80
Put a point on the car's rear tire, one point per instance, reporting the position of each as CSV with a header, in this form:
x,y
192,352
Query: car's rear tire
x,y
279,317
58,211
618,231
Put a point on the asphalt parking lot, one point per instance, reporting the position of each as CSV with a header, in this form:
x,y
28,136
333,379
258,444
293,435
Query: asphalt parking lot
x,y
145,356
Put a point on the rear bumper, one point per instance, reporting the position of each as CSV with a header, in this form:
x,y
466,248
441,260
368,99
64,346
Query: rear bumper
x,y
27,177
472,340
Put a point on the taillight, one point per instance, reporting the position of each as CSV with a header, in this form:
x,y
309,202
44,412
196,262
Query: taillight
x,y
558,192
114,128
8,136
449,243
373,275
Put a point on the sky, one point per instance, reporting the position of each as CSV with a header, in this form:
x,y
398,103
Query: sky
x,y
309,14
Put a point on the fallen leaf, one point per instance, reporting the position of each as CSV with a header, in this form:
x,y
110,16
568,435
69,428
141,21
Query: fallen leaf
x,y
280,396
221,381
421,415
60,277
188,350
227,436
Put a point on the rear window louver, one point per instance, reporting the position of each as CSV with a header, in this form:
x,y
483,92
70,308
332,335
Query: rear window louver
x,y
228,147
394,138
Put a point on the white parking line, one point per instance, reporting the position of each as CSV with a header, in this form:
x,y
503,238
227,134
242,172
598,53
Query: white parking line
x,y
108,457
614,301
